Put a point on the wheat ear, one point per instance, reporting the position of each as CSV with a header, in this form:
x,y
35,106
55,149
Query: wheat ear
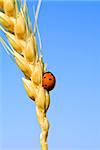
x,y
16,25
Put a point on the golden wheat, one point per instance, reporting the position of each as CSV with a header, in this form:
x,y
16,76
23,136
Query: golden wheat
x,y
25,52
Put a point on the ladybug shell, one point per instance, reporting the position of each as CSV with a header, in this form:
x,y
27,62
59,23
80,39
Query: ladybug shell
x,y
48,81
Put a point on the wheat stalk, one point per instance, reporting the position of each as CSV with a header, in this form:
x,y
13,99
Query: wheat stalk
x,y
16,25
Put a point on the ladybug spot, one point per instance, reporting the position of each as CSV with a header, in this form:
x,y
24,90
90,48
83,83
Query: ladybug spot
x,y
46,85
50,79
44,77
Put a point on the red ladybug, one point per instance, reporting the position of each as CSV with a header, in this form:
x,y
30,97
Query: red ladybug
x,y
48,81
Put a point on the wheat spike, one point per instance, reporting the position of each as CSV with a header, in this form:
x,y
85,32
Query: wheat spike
x,y
16,25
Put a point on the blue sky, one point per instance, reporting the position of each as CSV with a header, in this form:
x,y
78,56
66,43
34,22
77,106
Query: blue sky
x,y
70,33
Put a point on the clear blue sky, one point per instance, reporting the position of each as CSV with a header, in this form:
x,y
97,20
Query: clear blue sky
x,y
70,34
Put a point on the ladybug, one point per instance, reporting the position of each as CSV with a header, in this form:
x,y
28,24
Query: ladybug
x,y
48,81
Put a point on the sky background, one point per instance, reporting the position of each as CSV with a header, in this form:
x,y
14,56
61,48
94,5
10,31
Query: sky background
x,y
70,33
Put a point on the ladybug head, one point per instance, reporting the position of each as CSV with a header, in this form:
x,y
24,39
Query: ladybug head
x,y
48,81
